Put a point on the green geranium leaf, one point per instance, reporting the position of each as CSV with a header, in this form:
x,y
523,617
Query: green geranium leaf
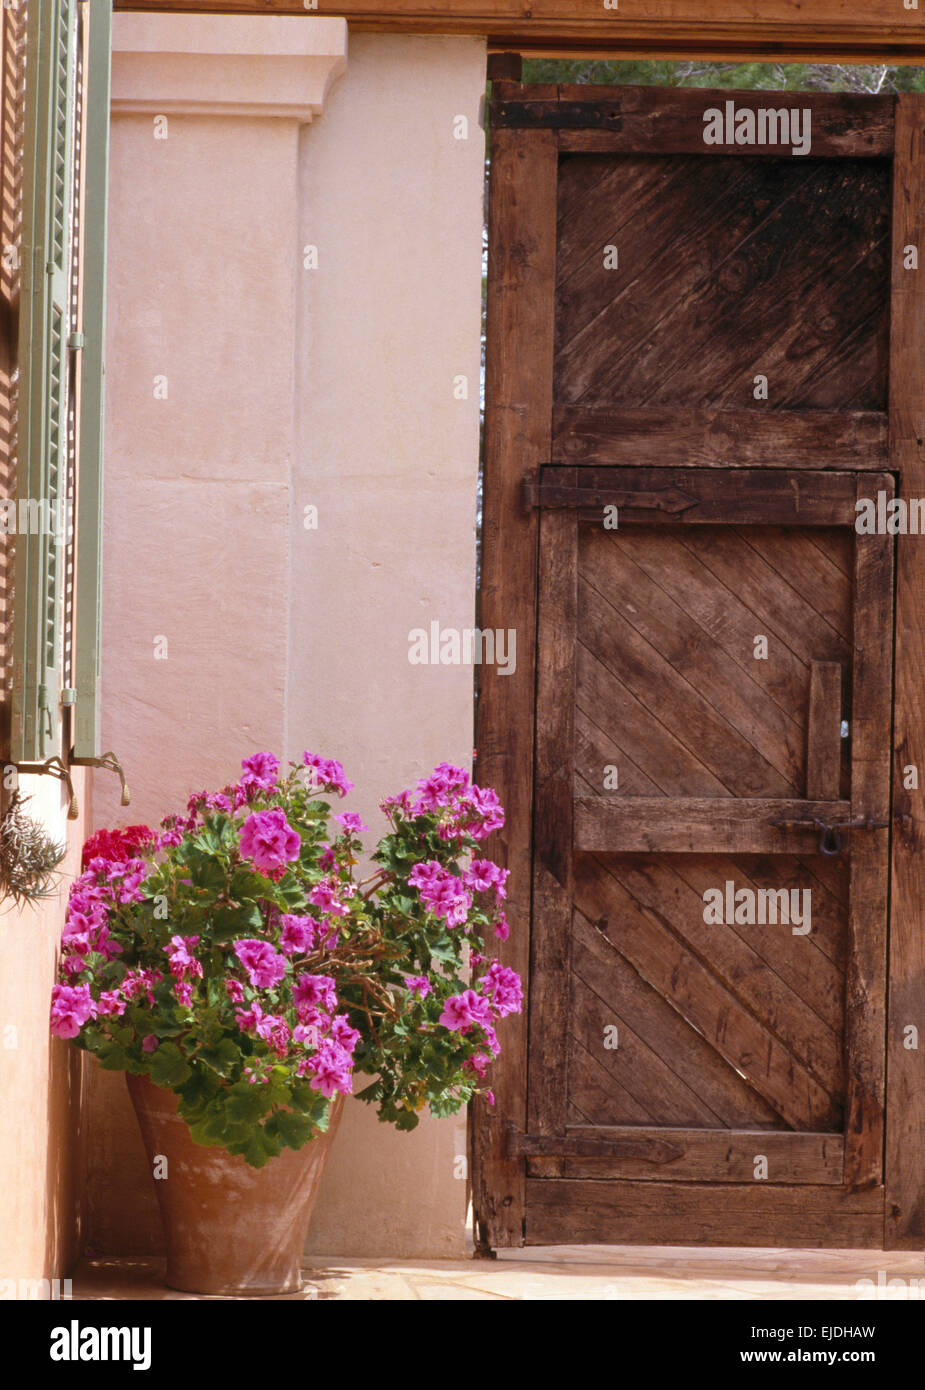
x,y
222,1058
169,1068
291,1129
113,1056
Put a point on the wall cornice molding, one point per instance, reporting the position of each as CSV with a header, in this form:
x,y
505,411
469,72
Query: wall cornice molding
x,y
222,65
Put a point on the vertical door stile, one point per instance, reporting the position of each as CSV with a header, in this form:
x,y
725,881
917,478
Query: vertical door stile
x,y
905,1170
865,984
518,424
553,857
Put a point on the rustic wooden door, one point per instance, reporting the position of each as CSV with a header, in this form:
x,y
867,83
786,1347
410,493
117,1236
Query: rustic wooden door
x,y
689,392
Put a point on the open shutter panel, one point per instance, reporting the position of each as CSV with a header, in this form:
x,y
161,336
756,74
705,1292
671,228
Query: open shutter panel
x,y
95,154
43,384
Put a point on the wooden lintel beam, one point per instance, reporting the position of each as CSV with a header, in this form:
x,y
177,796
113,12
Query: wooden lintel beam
x,y
786,31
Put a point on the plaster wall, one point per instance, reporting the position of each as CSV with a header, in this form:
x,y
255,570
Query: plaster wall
x,y
41,1139
286,387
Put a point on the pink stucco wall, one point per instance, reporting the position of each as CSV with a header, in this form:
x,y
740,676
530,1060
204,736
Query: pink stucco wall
x,y
289,387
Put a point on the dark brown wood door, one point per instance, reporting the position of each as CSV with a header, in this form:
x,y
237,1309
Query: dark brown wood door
x,y
691,385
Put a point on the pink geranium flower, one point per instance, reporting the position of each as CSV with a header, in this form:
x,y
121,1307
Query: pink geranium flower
x,y
461,1011
269,840
298,934
265,968
260,771
71,1007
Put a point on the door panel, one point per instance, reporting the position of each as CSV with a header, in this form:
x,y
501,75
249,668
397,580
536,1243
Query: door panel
x,y
726,267
703,959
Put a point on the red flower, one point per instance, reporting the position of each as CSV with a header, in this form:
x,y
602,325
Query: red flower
x,y
116,845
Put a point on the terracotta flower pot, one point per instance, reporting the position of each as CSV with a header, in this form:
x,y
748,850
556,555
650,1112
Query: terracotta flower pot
x,y
230,1228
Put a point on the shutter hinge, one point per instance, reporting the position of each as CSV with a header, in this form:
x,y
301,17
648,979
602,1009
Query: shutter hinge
x,y
110,762
54,767
69,695
76,340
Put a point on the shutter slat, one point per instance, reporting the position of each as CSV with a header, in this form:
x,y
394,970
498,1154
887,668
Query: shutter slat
x,y
89,506
43,338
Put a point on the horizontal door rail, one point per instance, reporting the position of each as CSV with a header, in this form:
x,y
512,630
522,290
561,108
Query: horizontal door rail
x,y
704,1155
702,496
704,438
702,825
652,1149
658,120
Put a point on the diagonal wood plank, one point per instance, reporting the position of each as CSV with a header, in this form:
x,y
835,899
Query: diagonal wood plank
x,y
800,961
756,311
666,265
594,1091
594,750
680,1046
720,609
671,699
596,304
679,638
784,614
729,954
806,565
668,762
695,993
636,1067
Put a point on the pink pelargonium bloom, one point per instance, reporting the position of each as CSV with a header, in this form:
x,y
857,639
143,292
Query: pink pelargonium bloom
x,y
351,822
275,1032
265,968
482,874
235,991
111,1002
502,986
261,771
149,1043
270,842
71,1008
249,1019
483,812
342,1033
298,934
183,989
461,1011
137,982
477,1063
329,773
311,990
323,896
183,965
331,1068
502,930
440,790
442,893
419,984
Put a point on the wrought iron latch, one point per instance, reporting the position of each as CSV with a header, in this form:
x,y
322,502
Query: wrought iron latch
x,y
830,838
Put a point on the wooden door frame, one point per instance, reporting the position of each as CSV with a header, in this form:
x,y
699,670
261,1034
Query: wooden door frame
x,y
518,440
728,30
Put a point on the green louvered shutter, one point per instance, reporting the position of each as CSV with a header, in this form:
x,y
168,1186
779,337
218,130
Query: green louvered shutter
x,y
95,158
43,375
